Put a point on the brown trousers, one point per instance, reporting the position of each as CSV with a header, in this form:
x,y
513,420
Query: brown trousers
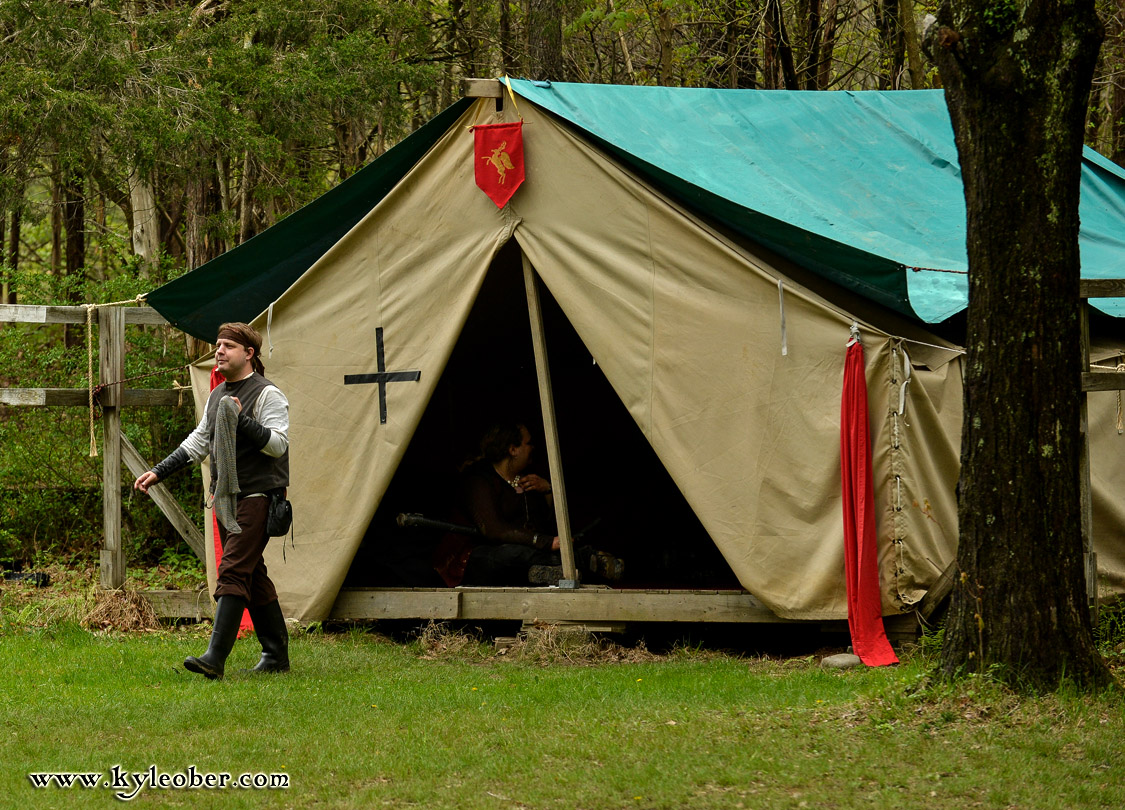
x,y
242,571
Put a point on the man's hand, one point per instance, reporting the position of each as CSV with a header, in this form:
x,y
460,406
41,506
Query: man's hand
x,y
145,481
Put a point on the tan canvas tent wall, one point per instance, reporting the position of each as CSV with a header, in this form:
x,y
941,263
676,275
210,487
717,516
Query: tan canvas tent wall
x,y
688,327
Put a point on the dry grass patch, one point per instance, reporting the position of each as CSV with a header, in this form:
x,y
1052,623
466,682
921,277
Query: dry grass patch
x,y
122,611
540,644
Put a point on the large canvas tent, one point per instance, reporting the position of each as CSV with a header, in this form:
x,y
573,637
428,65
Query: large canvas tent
x,y
702,255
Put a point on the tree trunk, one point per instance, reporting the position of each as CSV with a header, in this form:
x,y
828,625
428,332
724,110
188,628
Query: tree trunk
x,y
626,56
740,68
198,244
7,286
1017,88
470,49
665,33
10,243
222,177
891,40
74,223
507,49
447,25
813,31
827,45
4,277
544,40
782,47
146,220
245,202
99,268
913,47
14,235
56,222
1111,128
347,147
1115,107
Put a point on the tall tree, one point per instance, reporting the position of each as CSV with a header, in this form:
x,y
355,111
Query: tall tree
x,y
1017,75
507,48
888,20
779,50
545,40
1107,117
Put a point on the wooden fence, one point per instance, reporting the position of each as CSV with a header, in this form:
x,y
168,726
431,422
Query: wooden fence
x,y
116,448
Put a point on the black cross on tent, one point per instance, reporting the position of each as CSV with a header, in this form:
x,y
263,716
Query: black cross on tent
x,y
382,377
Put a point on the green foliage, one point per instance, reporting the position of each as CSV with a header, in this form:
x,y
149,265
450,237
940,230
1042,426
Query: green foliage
x,y
1000,17
165,567
1110,631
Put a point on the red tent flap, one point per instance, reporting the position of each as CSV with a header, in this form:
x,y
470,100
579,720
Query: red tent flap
x,y
861,554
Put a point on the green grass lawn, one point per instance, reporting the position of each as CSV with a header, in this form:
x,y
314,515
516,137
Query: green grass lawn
x,y
364,722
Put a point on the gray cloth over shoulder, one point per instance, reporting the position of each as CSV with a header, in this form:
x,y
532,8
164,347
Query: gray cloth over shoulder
x,y
224,488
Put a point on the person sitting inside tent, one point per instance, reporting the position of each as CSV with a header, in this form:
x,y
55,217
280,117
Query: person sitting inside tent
x,y
513,511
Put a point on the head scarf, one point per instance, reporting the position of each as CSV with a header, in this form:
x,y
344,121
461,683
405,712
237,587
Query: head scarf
x,y
245,335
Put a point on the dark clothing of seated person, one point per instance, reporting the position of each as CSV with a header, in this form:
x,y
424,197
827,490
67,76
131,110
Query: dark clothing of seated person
x,y
510,508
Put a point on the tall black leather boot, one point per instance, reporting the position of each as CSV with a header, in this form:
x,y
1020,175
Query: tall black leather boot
x,y
269,622
228,616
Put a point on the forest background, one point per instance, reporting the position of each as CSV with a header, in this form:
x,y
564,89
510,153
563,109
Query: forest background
x,y
142,138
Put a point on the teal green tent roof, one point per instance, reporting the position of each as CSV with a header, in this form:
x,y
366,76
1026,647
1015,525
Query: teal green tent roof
x,y
863,188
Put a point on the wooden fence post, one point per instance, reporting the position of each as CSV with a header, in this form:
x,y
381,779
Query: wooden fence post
x,y
111,346
111,351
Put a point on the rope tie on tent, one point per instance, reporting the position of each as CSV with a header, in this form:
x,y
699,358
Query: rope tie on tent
x,y
269,323
781,303
895,444
937,270
906,369
90,309
512,96
1120,415
953,349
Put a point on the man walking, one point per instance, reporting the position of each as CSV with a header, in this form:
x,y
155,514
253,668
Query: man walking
x,y
245,427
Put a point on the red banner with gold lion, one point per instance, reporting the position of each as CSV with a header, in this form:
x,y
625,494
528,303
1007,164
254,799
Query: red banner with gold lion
x,y
499,160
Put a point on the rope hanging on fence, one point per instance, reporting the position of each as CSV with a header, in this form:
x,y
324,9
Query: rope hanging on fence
x,y
90,309
180,389
1119,368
